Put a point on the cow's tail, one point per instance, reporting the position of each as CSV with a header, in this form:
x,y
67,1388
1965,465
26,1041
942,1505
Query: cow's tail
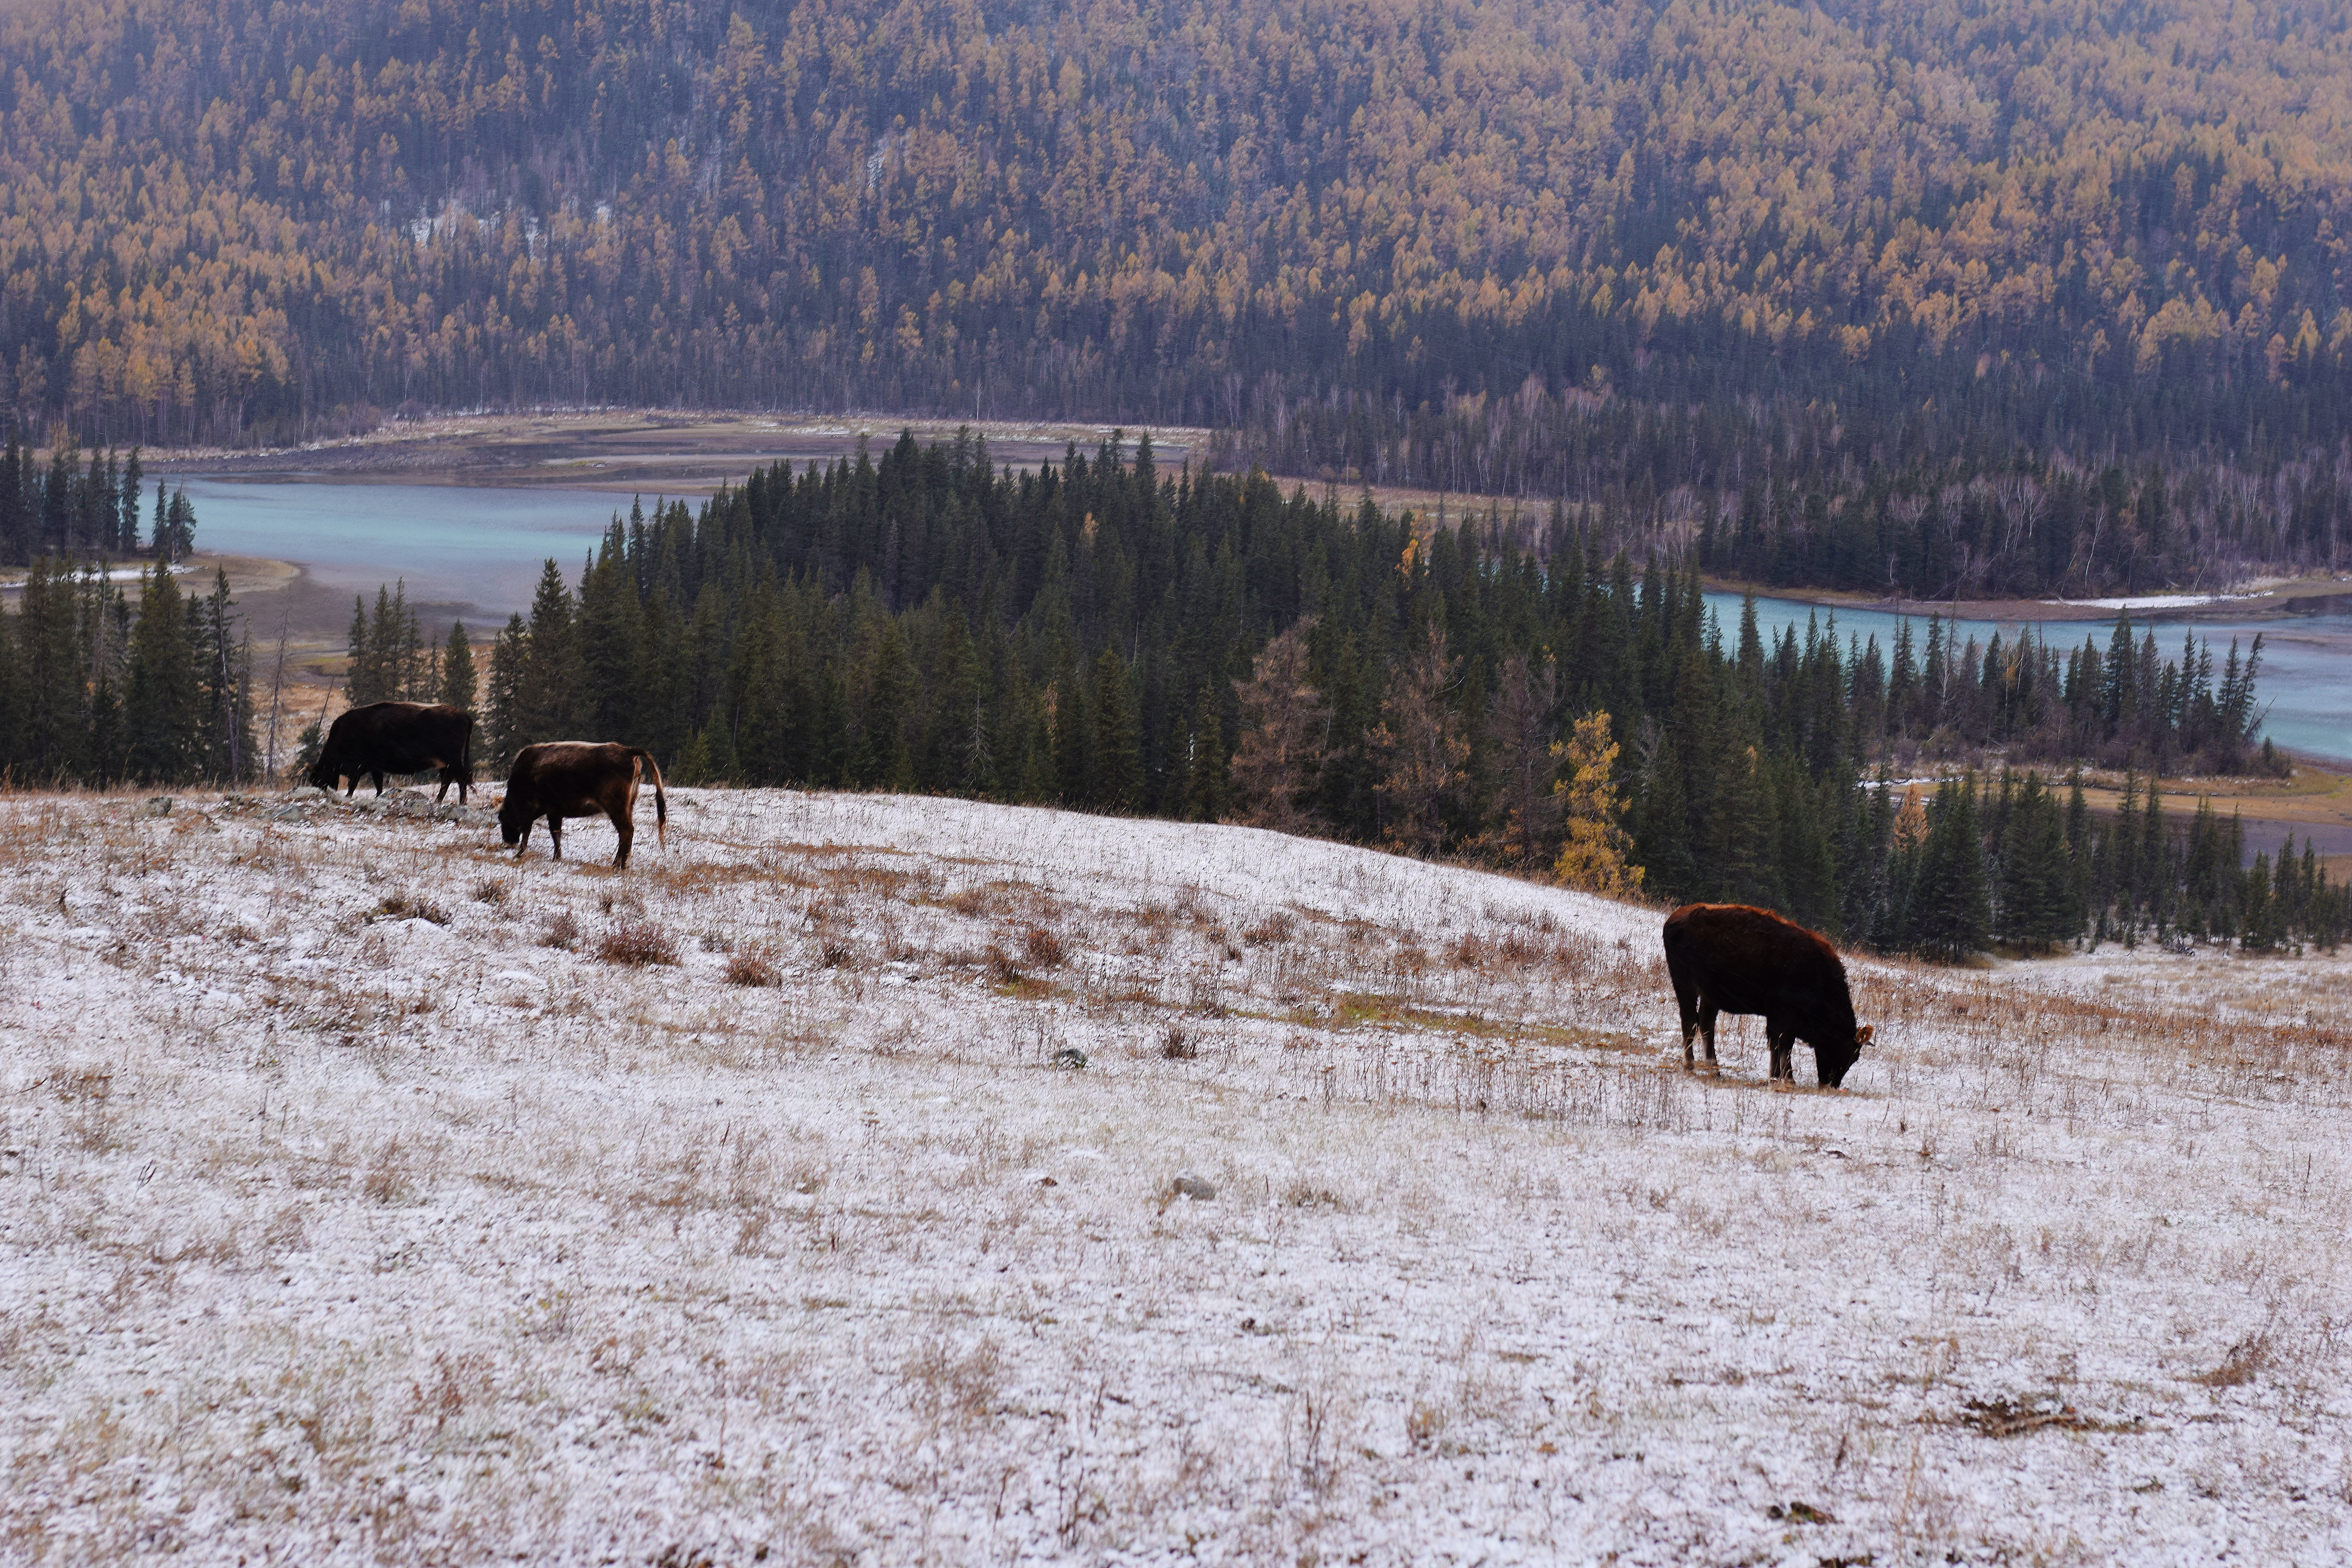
x,y
661,806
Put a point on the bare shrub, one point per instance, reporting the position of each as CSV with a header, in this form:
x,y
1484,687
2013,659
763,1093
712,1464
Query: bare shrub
x,y
942,1383
833,948
1001,967
561,931
90,1092
387,1177
1303,1194
1180,1044
2244,1360
637,944
411,907
717,941
1043,947
1277,927
490,890
753,965
975,901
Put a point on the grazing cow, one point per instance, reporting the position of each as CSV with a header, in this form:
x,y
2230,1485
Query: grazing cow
x,y
557,779
398,738
1730,958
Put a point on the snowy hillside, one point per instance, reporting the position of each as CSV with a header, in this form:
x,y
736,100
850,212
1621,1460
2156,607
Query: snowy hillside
x,y
368,1196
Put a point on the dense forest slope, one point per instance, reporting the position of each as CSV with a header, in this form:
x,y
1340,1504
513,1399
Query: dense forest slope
x,y
1583,250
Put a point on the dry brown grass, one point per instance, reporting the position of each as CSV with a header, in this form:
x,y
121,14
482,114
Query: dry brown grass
x,y
637,942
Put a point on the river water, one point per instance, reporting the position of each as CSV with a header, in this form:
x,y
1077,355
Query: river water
x,y
470,552
475,553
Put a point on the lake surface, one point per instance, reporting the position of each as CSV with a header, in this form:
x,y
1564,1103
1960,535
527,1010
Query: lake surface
x,y
468,553
475,553
2305,682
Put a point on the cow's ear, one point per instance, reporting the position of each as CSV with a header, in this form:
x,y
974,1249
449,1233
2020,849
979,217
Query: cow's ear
x,y
1862,1035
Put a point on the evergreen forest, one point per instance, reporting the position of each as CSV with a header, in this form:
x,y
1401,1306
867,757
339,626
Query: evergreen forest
x,y
1104,635
1967,299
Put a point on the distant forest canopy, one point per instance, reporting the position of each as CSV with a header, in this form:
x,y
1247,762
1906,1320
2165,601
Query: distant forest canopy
x,y
2067,283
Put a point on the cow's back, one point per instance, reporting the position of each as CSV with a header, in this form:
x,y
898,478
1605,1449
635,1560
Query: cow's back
x,y
1748,959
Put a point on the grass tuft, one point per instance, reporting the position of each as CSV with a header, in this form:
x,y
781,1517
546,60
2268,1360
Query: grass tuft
x,y
637,944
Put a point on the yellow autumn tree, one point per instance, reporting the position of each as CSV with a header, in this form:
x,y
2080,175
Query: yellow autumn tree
x,y
1593,859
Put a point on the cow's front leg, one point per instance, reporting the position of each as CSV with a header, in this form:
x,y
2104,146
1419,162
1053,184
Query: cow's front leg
x,y
1782,1046
522,840
379,786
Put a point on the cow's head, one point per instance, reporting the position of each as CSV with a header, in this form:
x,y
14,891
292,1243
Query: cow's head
x,y
1833,1062
512,819
324,774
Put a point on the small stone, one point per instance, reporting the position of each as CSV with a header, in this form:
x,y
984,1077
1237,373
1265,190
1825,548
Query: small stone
x,y
1071,1057
159,805
1198,1188
308,791
449,811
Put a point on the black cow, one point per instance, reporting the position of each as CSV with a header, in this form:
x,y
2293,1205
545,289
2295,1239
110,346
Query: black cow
x,y
1730,958
398,738
557,779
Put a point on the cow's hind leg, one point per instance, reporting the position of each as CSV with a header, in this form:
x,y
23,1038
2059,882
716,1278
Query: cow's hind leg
x,y
1708,1013
556,833
379,786
1686,1003
627,829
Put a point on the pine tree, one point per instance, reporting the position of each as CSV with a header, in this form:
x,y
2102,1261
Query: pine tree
x,y
1207,787
1118,745
458,680
2034,873
223,666
1524,807
546,673
162,711
1418,741
1949,917
503,719
1282,724
1595,853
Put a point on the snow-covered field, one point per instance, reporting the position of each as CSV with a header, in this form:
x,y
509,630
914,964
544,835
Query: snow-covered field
x,y
360,1201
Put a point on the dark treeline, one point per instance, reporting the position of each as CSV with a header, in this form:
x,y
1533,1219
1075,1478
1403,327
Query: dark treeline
x,y
94,691
74,511
1105,636
1967,495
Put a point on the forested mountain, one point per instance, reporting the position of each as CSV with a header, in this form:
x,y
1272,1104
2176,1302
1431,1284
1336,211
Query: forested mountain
x,y
1903,258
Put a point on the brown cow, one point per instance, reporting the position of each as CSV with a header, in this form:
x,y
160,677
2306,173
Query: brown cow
x,y
557,779
398,738
1730,958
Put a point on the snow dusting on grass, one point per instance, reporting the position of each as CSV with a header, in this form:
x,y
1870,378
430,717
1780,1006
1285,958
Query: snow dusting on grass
x,y
367,1196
